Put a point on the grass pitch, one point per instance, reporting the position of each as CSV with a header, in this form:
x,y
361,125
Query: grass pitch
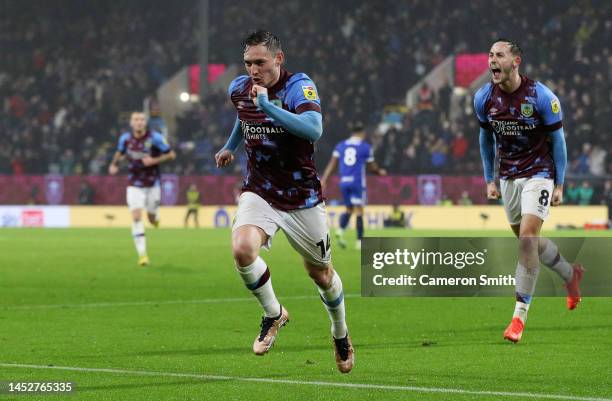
x,y
75,307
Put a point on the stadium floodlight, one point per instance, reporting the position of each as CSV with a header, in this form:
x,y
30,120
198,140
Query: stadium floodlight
x,y
184,97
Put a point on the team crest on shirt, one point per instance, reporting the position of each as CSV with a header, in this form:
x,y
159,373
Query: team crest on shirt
x,y
310,93
147,145
527,109
556,107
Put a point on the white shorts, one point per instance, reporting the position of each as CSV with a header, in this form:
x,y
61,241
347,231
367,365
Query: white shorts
x,y
144,198
306,229
526,196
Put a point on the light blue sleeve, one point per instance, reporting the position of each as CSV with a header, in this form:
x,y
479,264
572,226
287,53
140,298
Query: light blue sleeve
x,y
559,151
237,84
301,92
308,125
487,152
121,145
548,106
160,142
235,138
480,98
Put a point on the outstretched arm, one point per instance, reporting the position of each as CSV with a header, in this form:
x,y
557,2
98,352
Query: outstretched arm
x,y
329,169
113,168
225,156
235,138
373,167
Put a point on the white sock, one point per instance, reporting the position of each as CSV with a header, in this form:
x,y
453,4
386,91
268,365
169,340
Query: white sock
x,y
256,277
520,311
333,299
526,280
138,233
552,258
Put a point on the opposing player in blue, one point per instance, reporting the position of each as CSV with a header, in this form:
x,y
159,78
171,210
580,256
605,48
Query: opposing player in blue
x,y
145,150
279,119
352,156
522,119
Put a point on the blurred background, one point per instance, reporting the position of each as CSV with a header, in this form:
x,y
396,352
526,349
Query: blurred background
x,y
72,71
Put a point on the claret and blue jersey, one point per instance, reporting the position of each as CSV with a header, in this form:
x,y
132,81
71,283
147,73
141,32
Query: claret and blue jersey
x,y
280,165
135,149
522,122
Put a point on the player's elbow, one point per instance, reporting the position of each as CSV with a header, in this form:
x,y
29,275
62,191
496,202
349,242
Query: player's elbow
x,y
315,125
317,132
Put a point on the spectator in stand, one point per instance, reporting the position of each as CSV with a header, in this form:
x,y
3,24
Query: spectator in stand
x,y
56,91
585,193
571,193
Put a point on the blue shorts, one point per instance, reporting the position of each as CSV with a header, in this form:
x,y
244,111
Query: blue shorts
x,y
353,195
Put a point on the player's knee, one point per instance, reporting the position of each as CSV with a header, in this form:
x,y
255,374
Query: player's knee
x,y
321,275
136,216
528,243
245,251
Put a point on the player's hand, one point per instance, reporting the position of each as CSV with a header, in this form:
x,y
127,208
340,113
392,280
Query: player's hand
x,y
224,158
113,169
256,90
382,171
149,161
492,192
557,196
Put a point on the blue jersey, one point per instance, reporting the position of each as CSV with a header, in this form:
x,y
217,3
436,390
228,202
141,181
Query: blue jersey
x,y
353,154
522,122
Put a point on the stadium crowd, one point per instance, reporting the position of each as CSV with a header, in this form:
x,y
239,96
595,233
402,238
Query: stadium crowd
x,y
67,80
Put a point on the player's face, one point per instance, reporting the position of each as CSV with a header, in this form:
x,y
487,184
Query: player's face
x,y
262,66
501,62
138,122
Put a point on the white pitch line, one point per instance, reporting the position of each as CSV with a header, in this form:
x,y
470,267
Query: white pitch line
x,y
308,383
150,303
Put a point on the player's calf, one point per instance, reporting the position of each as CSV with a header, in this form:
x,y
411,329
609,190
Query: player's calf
x,y
332,294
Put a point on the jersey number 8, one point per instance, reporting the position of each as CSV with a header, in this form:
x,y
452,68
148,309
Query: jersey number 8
x,y
350,156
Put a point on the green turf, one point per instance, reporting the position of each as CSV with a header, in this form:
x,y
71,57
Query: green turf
x,y
428,342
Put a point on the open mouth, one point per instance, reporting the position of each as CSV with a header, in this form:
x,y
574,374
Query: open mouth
x,y
496,72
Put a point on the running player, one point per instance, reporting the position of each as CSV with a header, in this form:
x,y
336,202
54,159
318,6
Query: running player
x,y
144,150
352,155
279,118
522,118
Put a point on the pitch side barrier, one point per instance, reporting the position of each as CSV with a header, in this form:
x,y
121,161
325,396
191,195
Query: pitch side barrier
x,y
416,217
